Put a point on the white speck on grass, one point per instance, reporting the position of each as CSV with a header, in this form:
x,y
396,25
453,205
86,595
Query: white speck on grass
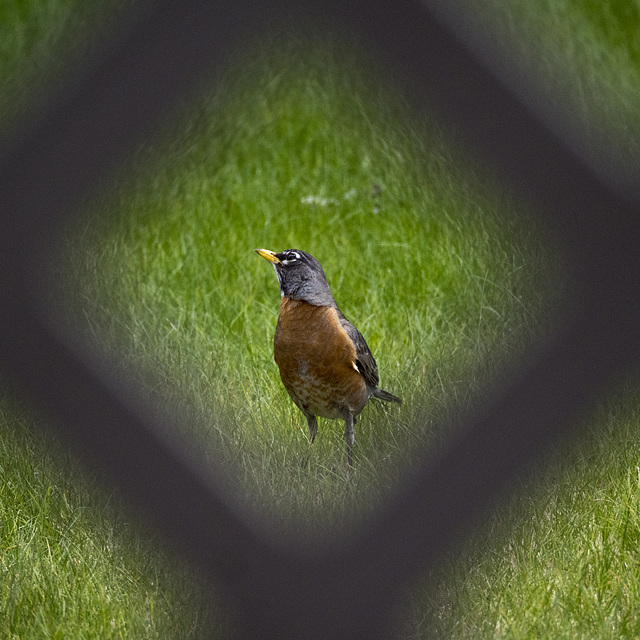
x,y
324,202
319,200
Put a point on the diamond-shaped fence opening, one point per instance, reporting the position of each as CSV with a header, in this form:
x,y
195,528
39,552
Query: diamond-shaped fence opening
x,y
347,590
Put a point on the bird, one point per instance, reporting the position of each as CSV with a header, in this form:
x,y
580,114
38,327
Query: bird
x,y
325,364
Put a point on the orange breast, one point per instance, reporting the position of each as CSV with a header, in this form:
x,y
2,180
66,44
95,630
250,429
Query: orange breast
x,y
316,359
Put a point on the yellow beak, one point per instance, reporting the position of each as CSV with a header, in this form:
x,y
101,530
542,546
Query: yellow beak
x,y
268,255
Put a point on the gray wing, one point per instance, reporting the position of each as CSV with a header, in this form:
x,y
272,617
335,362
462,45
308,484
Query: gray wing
x,y
364,358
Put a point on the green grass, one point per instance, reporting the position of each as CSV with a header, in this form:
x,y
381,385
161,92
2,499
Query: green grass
x,y
444,274
438,273
41,44
75,563
560,558
585,52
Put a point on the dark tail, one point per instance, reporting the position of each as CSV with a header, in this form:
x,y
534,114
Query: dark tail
x,y
386,396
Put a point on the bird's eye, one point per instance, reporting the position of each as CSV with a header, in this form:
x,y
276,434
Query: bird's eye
x,y
291,257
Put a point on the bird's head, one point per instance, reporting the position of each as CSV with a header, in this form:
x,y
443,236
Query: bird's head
x,y
300,276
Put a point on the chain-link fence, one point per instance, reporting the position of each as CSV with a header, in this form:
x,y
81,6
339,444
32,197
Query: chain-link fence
x,y
350,590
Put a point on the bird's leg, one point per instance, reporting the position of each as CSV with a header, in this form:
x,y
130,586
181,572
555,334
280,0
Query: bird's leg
x,y
349,436
313,427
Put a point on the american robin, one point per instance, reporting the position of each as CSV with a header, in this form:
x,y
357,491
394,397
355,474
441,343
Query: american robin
x,y
325,363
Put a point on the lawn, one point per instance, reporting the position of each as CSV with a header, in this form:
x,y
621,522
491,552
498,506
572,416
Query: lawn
x,y
305,143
